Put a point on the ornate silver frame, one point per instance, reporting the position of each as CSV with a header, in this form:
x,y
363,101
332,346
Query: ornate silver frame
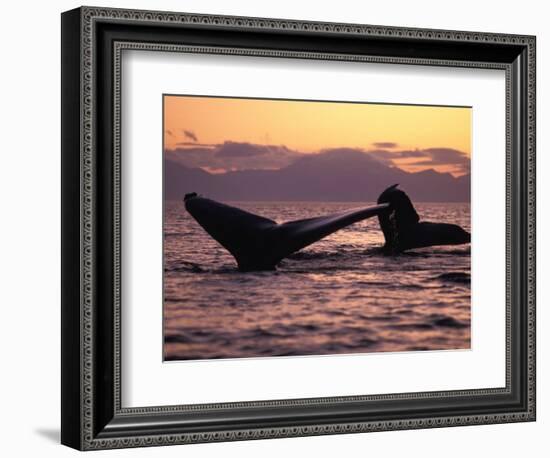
x,y
93,417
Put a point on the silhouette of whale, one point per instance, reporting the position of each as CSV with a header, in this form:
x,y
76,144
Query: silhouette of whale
x,y
403,230
258,243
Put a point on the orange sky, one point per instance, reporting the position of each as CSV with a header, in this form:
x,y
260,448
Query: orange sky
x,y
312,126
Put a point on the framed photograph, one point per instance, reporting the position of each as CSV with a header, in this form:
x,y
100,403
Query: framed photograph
x,y
276,228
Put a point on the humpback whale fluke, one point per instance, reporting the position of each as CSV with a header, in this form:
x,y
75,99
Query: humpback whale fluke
x,y
258,243
403,230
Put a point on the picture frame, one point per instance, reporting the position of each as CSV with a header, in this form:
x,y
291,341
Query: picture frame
x,y
93,416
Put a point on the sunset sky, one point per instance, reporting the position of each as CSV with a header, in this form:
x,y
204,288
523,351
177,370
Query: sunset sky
x,y
412,138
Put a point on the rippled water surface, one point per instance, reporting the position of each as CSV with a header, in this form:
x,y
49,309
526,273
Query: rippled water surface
x,y
339,295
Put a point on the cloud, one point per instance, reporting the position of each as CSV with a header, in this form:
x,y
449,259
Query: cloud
x,y
233,156
169,132
384,145
400,154
428,157
389,157
190,135
235,149
192,157
410,153
446,156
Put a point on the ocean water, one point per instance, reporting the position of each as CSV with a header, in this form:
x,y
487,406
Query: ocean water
x,y
337,296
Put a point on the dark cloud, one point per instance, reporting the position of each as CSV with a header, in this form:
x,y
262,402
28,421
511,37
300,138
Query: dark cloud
x,y
446,156
192,157
190,135
426,157
387,156
235,149
234,156
384,145
169,132
410,153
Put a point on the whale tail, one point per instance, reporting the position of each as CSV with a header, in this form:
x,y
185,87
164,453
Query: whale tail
x,y
403,230
258,243
399,219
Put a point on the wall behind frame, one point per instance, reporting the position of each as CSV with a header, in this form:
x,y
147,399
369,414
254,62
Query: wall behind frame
x,y
30,240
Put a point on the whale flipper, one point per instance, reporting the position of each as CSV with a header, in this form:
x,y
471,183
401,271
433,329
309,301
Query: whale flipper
x,y
258,243
403,229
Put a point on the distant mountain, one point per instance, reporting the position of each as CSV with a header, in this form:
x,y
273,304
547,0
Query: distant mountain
x,y
346,175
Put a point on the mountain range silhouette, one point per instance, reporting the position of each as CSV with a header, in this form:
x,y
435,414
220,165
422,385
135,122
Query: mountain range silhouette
x,y
333,176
